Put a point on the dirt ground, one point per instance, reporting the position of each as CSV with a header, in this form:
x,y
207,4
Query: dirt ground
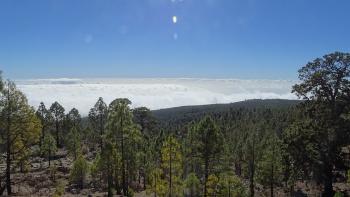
x,y
42,180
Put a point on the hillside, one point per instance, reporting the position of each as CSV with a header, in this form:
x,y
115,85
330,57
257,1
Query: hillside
x,y
189,113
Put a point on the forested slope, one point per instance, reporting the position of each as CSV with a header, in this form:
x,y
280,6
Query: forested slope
x,y
186,114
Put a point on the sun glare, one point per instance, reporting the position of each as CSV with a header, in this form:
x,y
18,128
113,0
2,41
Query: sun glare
x,y
174,19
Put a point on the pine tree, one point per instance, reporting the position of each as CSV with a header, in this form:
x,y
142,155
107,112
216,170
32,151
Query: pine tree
x,y
231,186
125,134
172,166
212,185
208,146
270,167
46,120
325,88
73,143
157,185
79,171
98,119
58,115
21,128
49,147
144,118
74,120
192,184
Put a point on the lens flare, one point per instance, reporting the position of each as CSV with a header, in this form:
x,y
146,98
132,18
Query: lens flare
x,y
174,19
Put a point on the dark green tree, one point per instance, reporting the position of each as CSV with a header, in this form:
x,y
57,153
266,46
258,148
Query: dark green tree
x,y
49,147
325,88
98,119
74,143
172,166
58,116
21,129
147,122
46,120
74,120
79,171
270,167
126,135
209,146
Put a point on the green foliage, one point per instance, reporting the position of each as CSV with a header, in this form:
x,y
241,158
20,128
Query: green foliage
x,y
97,120
52,173
192,185
208,144
60,186
79,171
316,138
58,116
172,166
106,166
126,137
46,120
49,147
157,185
131,193
20,129
231,186
338,194
270,167
73,143
212,185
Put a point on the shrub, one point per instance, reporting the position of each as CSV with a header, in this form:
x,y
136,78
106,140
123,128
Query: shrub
x,y
79,171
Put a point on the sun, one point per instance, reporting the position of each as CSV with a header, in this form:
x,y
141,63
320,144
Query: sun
x,y
174,19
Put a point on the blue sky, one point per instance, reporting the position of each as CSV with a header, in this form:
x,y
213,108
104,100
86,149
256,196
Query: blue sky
x,y
254,39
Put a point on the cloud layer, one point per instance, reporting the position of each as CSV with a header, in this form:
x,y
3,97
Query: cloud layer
x,y
152,93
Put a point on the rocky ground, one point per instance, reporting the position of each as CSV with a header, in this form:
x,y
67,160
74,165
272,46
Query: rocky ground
x,y
42,180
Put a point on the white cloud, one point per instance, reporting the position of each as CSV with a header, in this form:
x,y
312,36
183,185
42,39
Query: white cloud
x,y
152,93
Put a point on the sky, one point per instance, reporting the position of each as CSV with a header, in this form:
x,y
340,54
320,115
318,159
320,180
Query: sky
x,y
245,39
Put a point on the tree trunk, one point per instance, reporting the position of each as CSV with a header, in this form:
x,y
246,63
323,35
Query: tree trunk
x,y
170,171
144,173
8,147
206,175
49,156
238,168
155,186
8,168
101,133
252,169
272,178
125,189
328,183
57,136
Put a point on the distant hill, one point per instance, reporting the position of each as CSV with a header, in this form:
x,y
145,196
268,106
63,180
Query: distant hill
x,y
186,112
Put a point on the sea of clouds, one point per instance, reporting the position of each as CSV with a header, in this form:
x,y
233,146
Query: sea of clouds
x,y
154,93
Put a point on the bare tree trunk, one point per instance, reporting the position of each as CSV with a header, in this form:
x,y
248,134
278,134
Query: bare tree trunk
x,y
101,133
57,135
252,169
206,175
8,146
8,167
328,182
125,186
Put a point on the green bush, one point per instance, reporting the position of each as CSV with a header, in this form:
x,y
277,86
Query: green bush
x,y
79,171
131,192
59,189
192,184
338,194
231,185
